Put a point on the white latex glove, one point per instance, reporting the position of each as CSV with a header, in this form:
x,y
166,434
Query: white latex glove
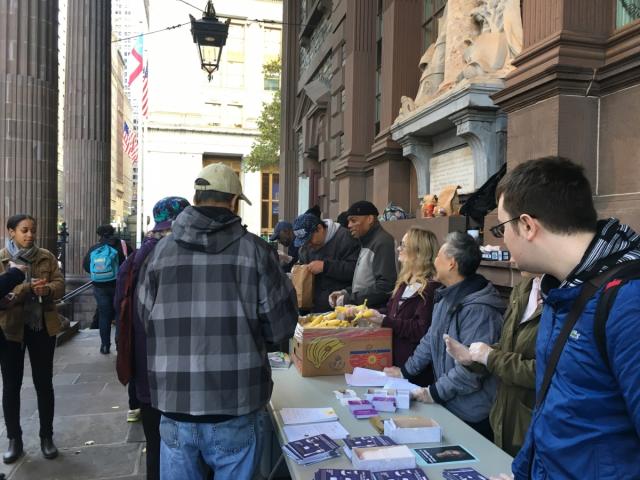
x,y
337,298
459,352
394,372
23,268
502,476
421,395
480,352
284,258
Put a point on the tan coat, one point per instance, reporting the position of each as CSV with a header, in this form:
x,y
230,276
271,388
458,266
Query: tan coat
x,y
45,265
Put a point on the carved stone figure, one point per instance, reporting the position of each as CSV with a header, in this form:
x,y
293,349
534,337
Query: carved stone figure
x,y
499,41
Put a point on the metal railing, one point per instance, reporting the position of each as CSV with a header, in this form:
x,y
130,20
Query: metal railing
x,y
68,299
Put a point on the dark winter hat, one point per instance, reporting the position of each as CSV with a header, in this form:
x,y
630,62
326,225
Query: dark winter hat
x,y
315,210
303,228
362,208
280,226
166,210
106,231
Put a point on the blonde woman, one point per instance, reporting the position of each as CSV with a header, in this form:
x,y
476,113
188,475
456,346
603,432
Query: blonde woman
x,y
410,307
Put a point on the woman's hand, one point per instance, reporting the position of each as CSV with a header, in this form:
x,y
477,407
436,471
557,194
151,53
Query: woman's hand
x,y
20,266
394,372
39,287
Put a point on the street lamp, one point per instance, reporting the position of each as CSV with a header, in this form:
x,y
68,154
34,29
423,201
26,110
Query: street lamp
x,y
211,35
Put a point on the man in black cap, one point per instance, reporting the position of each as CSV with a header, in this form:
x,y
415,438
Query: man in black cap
x,y
375,274
283,234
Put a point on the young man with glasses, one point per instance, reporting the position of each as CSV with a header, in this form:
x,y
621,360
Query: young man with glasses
x,y
587,420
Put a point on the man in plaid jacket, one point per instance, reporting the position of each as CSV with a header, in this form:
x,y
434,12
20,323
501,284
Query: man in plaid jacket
x,y
212,296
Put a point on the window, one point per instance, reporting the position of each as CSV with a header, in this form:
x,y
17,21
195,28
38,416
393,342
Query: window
x,y
271,81
433,10
627,11
234,48
233,116
270,201
216,113
379,28
233,75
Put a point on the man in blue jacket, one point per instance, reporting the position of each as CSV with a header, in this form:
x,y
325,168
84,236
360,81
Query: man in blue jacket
x,y
588,425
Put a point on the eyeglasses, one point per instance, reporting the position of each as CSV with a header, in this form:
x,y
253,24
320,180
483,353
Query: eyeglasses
x,y
498,230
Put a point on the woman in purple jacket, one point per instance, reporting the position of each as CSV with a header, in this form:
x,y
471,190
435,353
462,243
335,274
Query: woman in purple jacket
x,y
164,212
409,308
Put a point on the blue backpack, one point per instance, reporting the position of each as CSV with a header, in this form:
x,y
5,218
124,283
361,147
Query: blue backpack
x,y
104,264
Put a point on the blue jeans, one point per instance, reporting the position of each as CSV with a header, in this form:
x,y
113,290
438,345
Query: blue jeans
x,y
106,313
230,448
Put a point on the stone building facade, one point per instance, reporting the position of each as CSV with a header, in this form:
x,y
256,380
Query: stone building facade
x,y
388,100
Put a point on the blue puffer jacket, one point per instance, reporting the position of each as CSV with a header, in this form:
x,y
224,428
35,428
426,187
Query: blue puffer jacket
x,y
589,424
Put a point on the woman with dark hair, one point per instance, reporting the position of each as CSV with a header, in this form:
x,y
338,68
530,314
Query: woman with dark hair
x,y
29,321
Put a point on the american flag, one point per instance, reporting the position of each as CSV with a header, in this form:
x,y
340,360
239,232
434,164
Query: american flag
x,y
130,142
133,147
145,91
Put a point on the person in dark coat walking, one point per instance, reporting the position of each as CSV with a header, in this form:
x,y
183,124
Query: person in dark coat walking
x,y
411,305
104,291
330,253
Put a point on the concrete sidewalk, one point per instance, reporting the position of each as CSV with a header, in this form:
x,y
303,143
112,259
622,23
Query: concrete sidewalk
x,y
91,406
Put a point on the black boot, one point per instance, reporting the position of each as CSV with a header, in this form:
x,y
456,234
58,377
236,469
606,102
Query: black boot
x,y
48,448
14,451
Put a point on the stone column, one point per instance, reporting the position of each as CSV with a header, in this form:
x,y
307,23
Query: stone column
x,y
419,150
87,126
29,114
288,154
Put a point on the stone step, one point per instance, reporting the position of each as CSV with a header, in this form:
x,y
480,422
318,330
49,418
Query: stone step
x,y
67,333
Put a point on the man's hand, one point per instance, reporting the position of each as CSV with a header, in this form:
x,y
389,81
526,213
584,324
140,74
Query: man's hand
x,y
480,352
421,395
374,320
316,267
459,352
337,298
394,372
20,266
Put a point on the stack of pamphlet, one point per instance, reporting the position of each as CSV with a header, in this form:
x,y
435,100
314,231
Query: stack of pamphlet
x,y
337,474
462,474
364,442
362,409
279,360
312,450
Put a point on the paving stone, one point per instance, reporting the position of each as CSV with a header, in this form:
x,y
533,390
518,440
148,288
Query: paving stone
x,y
107,378
136,433
91,367
74,431
65,379
96,462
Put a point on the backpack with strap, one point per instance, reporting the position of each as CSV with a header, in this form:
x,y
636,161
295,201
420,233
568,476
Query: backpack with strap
x,y
103,264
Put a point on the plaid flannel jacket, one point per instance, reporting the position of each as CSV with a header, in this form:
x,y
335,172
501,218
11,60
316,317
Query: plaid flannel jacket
x,y
211,296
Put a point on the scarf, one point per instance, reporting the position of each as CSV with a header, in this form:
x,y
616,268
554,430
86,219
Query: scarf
x,y
32,309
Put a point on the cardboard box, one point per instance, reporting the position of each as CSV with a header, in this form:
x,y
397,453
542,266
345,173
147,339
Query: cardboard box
x,y
334,351
413,430
379,459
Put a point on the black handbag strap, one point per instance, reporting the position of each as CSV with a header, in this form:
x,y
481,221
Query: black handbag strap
x,y
589,288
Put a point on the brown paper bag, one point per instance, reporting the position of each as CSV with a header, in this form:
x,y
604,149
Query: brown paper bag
x,y
302,280
448,199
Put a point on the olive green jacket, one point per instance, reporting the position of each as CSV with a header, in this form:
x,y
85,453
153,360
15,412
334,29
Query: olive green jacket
x,y
513,362
45,265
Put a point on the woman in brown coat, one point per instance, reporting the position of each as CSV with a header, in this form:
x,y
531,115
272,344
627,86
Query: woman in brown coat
x,y
29,320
